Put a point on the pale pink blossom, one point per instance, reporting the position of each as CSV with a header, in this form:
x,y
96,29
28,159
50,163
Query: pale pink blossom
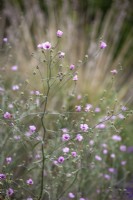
x,y
15,87
46,45
114,71
111,170
40,46
72,67
71,195
14,68
32,128
64,130
5,39
61,159
88,107
84,127
101,126
103,45
98,158
29,181
61,54
79,137
59,33
123,148
8,160
124,162
112,155
97,110
106,176
74,153
65,149
10,192
121,116
7,115
65,137
78,108
105,151
91,142
75,77
124,108
116,138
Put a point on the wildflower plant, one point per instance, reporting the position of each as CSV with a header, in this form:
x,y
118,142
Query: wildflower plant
x,y
76,151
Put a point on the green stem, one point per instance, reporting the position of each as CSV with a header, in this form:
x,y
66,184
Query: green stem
x,y
44,129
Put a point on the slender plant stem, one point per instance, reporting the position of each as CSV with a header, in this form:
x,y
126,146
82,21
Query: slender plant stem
x,y
44,129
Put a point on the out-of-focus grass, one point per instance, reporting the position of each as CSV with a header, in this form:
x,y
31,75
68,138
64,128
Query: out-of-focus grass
x,y
26,31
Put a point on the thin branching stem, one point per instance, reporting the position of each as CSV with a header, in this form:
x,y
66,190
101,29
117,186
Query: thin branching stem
x,y
44,129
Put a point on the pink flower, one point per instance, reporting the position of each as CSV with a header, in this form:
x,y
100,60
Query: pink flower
x,y
114,71
101,126
61,159
123,162
61,54
40,46
65,137
71,195
116,138
8,160
75,78
15,87
7,115
124,108
10,192
113,117
5,39
32,128
29,181
2,176
84,127
111,170
55,162
37,93
10,105
37,156
28,134
14,68
91,142
103,45
98,158
78,108
112,155
59,33
123,148
106,176
65,149
105,151
104,145
74,153
88,107
46,45
16,137
64,130
97,110
79,137
79,97
121,116
72,67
